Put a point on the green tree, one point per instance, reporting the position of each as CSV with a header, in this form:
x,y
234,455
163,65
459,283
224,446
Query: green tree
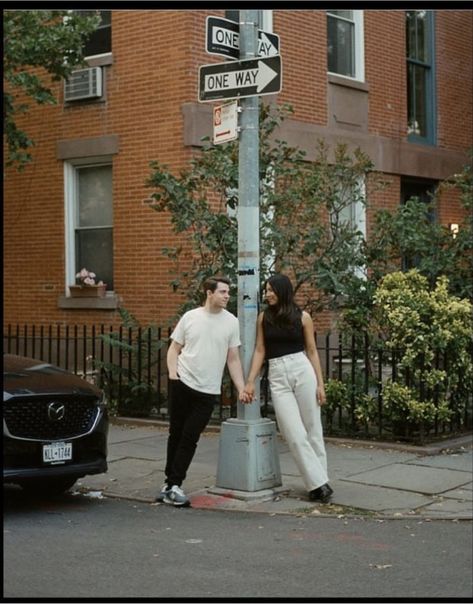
x,y
459,272
304,225
411,235
39,47
304,229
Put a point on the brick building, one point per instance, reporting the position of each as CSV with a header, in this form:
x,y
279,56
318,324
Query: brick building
x,y
398,84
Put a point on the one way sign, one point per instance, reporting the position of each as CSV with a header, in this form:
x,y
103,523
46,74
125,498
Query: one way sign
x,y
238,79
223,38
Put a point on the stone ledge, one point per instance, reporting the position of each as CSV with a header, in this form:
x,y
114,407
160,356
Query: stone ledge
x,y
110,302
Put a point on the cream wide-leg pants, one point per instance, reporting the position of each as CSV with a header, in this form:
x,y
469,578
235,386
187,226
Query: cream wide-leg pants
x,y
293,385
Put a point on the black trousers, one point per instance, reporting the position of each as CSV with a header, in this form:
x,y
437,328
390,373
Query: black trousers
x,y
189,414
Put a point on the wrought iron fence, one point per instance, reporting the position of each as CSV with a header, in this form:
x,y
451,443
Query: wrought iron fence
x,y
130,364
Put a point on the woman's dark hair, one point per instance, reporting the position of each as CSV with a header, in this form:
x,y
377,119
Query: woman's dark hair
x,y
285,313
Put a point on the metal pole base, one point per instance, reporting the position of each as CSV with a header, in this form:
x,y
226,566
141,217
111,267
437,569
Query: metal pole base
x,y
248,457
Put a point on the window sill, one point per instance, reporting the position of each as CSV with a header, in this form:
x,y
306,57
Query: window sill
x,y
100,60
348,82
419,140
110,302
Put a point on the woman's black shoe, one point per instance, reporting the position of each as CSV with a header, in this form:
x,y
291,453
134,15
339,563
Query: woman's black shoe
x,y
322,494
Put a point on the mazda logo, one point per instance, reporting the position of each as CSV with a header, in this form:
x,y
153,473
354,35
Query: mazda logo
x,y
56,411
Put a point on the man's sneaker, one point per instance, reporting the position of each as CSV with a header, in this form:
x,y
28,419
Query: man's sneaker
x,y
162,492
176,496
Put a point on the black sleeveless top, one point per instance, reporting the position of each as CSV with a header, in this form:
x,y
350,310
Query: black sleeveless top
x,y
279,341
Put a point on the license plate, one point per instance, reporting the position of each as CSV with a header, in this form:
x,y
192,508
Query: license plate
x,y
57,452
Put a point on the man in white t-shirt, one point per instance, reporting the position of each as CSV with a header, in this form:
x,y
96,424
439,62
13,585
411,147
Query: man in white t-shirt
x,y
204,340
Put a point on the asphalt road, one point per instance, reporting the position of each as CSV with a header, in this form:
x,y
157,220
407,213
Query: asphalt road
x,y
82,547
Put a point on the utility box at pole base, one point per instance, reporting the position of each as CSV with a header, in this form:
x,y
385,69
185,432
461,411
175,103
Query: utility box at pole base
x,y
250,446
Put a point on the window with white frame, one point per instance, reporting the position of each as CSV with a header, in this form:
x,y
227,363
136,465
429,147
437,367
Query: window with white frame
x,y
345,43
266,20
353,213
89,219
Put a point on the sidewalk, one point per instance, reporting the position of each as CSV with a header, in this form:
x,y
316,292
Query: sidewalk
x,y
370,479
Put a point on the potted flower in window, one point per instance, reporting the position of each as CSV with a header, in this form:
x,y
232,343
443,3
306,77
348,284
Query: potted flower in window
x,y
86,286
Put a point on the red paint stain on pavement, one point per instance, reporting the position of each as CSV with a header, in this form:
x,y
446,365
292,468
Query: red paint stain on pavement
x,y
208,501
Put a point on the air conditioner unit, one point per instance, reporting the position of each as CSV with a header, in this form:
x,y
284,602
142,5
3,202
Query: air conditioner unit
x,y
83,84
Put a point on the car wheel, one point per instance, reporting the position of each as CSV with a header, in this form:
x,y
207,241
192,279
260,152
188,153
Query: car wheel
x,y
48,486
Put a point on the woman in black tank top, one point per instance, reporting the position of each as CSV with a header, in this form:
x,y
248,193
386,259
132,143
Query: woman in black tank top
x,y
279,341
285,338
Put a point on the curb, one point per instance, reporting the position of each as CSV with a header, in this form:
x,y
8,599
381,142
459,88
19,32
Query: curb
x,y
338,514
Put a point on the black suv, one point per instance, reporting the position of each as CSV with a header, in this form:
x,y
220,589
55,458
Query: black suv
x,y
55,426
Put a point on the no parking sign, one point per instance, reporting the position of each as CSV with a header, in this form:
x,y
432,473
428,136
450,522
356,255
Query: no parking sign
x,y
225,121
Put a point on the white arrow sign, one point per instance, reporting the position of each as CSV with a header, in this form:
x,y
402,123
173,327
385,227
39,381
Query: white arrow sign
x,y
223,38
240,78
228,43
260,77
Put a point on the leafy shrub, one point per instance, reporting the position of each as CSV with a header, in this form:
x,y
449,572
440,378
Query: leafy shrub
x,y
125,380
431,332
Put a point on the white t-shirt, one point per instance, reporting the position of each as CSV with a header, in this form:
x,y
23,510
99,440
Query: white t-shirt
x,y
206,338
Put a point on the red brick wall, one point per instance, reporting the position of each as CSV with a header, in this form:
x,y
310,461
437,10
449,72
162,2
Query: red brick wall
x,y
152,75
163,76
454,71
386,196
385,72
156,56
303,47
450,210
34,227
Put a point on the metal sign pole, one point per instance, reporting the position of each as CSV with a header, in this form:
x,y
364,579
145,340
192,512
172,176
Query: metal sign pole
x,y
248,456
248,216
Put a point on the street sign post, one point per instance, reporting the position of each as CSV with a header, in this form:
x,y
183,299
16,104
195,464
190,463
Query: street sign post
x,y
223,38
248,456
239,79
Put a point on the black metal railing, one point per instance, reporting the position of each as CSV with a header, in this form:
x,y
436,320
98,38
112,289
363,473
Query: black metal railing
x,y
130,364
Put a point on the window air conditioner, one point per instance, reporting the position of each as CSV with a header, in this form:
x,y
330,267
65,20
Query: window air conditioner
x,y
83,84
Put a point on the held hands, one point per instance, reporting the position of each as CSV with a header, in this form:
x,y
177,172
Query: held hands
x,y
247,395
244,397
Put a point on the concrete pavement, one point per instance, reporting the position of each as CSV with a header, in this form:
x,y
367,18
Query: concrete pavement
x,y
377,479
